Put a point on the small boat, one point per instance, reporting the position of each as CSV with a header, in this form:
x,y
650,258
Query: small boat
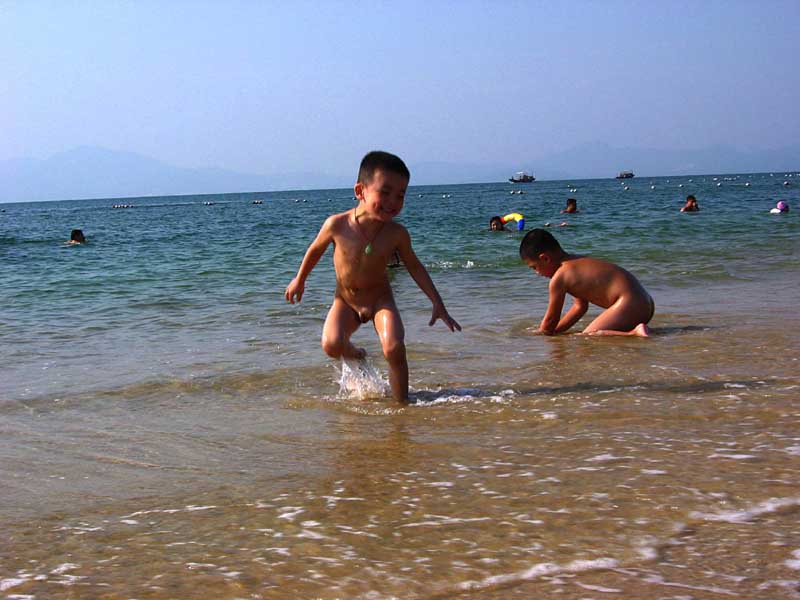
x,y
625,175
522,177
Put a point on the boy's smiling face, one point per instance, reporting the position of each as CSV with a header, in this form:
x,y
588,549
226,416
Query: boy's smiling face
x,y
383,197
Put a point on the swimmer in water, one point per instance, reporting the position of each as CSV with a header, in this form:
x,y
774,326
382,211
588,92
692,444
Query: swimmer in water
x,y
76,237
364,240
691,204
781,207
394,261
571,207
496,224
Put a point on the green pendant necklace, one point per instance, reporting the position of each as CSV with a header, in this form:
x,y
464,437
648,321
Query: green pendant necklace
x,y
368,247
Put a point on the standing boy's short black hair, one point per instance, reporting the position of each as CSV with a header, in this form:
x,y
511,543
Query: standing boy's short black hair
x,y
537,241
377,159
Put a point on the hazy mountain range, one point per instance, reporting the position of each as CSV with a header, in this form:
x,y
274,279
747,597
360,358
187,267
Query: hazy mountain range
x,y
88,172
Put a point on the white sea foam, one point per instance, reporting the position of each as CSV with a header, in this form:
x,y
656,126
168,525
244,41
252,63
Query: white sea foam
x,y
332,501
61,569
794,563
444,521
290,512
195,565
537,571
732,456
7,584
659,580
466,395
772,505
598,588
607,457
169,511
311,535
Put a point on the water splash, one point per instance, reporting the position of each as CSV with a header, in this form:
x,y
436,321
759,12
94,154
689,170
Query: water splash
x,y
360,380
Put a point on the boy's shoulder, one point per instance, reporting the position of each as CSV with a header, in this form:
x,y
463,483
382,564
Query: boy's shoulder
x,y
581,266
397,231
395,226
338,218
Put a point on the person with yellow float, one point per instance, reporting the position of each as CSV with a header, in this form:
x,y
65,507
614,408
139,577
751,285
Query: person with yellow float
x,y
498,223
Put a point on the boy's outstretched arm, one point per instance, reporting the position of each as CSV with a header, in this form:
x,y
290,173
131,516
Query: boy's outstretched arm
x,y
576,311
425,283
294,291
553,322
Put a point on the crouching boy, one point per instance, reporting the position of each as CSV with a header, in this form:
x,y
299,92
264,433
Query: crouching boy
x,y
628,306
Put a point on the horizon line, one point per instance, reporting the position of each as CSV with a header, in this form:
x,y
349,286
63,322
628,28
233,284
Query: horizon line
x,y
787,173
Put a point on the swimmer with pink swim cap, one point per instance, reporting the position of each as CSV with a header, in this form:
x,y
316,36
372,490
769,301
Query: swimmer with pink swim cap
x,y
781,207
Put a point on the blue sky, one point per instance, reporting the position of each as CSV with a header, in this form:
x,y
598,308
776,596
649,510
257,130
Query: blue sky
x,y
270,87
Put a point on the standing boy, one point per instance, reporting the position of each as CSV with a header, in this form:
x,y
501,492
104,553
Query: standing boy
x,y
589,280
364,239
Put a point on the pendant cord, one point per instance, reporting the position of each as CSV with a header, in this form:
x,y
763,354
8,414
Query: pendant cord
x,y
368,247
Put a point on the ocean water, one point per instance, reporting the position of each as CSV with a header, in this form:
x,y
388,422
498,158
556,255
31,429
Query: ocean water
x,y
170,427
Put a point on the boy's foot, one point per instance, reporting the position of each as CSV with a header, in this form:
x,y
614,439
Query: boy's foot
x,y
355,353
642,330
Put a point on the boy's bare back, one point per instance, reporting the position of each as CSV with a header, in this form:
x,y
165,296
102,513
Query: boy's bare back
x,y
597,281
604,284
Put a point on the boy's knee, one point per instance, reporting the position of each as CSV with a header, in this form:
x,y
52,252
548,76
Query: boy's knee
x,y
394,351
333,347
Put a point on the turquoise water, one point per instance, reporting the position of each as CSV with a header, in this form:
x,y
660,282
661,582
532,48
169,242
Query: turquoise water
x,y
164,411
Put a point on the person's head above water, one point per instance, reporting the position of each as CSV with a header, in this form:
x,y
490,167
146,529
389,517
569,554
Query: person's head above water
x,y
571,207
496,224
76,237
691,204
384,161
782,206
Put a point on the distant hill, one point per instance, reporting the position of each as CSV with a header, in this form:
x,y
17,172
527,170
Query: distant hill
x,y
88,172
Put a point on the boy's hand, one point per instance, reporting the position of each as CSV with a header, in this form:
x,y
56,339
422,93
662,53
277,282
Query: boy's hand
x,y
440,312
295,290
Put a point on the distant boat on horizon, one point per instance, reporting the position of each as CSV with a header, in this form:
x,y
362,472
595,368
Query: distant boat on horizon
x,y
625,175
521,177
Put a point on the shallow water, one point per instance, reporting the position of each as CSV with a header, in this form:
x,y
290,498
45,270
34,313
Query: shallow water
x,y
170,428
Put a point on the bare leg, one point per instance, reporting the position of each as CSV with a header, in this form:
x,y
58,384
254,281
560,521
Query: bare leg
x,y
623,318
340,324
641,330
392,337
